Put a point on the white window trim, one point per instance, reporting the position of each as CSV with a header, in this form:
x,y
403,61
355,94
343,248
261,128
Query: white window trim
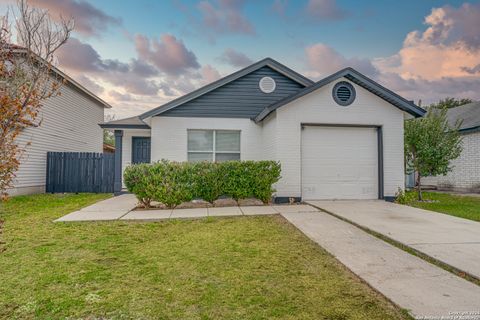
x,y
214,151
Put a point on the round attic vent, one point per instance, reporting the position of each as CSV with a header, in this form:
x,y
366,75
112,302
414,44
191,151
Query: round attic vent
x,y
343,93
267,85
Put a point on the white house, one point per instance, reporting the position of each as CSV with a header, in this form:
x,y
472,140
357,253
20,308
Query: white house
x,y
69,122
338,138
465,175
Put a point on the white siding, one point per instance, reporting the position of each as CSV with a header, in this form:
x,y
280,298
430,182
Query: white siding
x,y
465,175
278,137
69,123
169,136
319,107
269,137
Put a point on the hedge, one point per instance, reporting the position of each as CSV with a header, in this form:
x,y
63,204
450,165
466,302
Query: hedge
x,y
172,183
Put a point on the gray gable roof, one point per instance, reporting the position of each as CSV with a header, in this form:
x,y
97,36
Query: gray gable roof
x,y
469,114
127,123
267,62
240,98
357,78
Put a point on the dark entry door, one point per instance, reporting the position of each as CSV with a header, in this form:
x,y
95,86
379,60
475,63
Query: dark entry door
x,y
140,150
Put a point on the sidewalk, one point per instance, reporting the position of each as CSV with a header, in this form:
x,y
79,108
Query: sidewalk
x,y
120,208
423,289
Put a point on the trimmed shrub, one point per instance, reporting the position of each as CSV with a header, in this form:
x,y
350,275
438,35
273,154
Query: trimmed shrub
x,y
172,183
209,181
136,179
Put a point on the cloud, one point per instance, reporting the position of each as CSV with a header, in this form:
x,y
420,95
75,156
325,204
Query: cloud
x,y
225,16
321,10
449,47
209,74
80,58
168,54
89,20
120,96
473,70
440,61
234,58
140,83
323,60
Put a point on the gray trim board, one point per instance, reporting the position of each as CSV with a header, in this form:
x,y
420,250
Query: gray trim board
x,y
381,179
357,78
275,65
123,126
117,184
469,130
126,123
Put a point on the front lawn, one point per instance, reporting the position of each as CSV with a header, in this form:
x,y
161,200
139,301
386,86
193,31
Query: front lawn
x,y
455,205
222,268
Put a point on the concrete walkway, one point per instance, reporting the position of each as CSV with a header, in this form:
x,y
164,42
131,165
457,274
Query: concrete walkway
x,y
109,209
454,241
410,282
120,208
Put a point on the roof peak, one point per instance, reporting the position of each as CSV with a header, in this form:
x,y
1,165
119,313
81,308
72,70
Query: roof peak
x,y
272,63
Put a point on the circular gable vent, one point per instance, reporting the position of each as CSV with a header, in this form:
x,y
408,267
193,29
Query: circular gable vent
x,y
343,93
267,85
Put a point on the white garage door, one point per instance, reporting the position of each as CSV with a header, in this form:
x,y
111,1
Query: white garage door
x,y
339,163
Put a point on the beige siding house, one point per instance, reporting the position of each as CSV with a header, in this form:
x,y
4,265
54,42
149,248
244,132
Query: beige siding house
x,y
338,138
69,122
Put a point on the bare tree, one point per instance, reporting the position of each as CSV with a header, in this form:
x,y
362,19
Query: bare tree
x,y
27,78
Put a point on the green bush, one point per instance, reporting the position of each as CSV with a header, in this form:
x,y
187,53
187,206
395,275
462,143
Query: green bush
x,y
404,197
136,179
209,181
172,183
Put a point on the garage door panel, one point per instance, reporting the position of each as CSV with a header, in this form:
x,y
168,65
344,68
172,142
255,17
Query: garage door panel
x,y
339,163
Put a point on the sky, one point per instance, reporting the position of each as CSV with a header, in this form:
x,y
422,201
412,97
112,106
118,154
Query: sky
x,y
140,54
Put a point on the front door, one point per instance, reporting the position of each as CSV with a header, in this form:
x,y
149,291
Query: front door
x,y
140,149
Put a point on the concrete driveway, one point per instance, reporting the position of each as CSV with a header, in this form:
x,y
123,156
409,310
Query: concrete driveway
x,y
454,241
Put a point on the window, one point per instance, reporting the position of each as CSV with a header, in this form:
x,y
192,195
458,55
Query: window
x,y
213,145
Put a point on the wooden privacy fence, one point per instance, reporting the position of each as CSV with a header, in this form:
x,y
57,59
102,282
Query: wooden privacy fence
x,y
80,172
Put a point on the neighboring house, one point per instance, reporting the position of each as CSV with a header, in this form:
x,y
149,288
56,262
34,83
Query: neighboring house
x,y
69,122
338,138
465,175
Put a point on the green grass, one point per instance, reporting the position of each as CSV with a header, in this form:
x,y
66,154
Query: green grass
x,y
216,268
455,205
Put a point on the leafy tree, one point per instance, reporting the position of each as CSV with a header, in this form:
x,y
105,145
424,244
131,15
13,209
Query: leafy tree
x,y
430,144
108,136
26,79
450,103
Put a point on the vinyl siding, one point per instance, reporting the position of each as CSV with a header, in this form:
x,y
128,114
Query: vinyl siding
x,y
241,98
269,137
169,136
319,107
69,122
